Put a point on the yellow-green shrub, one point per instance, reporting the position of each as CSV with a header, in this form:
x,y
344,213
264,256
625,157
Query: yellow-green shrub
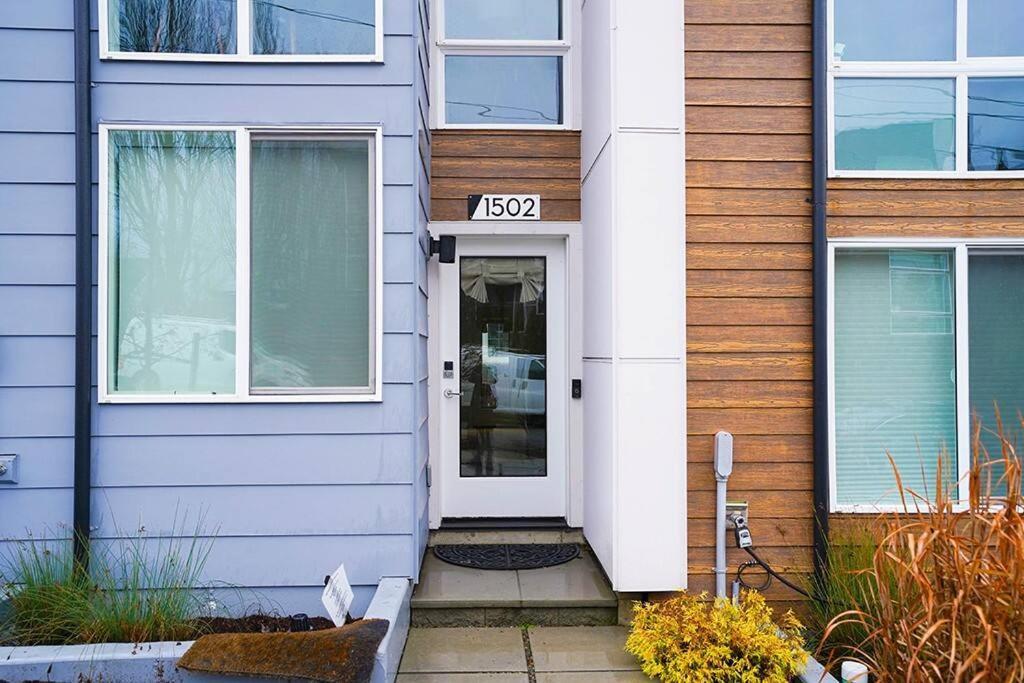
x,y
689,639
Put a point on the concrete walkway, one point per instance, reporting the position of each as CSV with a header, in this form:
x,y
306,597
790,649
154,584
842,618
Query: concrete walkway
x,y
544,654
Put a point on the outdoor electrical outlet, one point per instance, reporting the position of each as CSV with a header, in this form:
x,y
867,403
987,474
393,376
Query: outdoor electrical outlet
x,y
8,469
732,509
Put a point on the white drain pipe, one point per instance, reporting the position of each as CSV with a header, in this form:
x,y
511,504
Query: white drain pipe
x,y
723,468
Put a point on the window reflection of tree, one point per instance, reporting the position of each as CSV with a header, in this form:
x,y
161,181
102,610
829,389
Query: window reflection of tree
x,y
189,26
173,253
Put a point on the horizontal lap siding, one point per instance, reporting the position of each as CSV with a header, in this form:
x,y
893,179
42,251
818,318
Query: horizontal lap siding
x,y
37,252
506,162
925,208
291,490
749,285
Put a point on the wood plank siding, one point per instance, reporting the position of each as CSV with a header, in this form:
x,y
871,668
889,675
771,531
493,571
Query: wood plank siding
x,y
513,162
925,208
749,310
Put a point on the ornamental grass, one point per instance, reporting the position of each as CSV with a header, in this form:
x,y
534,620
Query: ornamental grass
x,y
943,597
137,589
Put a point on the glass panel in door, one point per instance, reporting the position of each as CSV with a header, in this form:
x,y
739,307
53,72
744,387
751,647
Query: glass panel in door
x,y
503,367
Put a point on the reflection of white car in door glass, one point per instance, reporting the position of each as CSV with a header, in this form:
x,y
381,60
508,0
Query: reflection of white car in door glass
x,y
518,382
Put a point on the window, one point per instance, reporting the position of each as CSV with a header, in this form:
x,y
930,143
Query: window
x,y
503,63
224,30
927,88
924,340
239,265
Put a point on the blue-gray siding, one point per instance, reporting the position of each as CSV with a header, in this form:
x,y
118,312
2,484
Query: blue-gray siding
x,y
292,490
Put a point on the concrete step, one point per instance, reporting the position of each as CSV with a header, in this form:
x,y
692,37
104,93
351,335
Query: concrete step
x,y
489,536
572,594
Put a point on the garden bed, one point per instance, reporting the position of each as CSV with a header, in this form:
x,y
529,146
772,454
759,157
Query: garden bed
x,y
156,662
258,623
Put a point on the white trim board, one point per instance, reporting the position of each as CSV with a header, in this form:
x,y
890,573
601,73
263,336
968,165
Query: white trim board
x,y
242,393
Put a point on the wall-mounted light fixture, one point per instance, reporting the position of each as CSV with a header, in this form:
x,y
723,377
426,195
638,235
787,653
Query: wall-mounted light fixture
x,y
444,247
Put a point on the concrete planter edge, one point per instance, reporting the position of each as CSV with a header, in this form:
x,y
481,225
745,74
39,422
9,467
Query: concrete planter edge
x,y
816,673
155,662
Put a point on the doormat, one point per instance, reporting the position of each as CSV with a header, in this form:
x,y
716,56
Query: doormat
x,y
508,555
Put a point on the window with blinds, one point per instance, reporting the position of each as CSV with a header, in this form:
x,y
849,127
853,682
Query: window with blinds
x,y
895,372
896,354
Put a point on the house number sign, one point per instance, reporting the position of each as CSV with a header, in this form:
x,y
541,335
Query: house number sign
x,y
504,207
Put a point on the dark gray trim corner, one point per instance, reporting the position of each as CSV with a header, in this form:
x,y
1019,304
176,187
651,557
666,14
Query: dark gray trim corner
x,y
83,282
820,247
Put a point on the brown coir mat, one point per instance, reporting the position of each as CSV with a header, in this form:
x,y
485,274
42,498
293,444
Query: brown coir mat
x,y
337,655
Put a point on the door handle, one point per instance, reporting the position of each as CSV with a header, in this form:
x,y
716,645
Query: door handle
x,y
448,393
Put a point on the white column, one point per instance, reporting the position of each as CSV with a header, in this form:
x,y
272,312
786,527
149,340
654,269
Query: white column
x,y
634,307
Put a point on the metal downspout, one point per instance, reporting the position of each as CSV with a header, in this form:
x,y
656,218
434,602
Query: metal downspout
x,y
83,283
820,272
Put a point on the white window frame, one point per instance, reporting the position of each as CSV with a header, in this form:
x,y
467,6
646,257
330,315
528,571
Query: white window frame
x,y
243,38
243,390
564,48
961,249
960,70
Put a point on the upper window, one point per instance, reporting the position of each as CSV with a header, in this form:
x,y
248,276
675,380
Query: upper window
x,y
927,88
503,63
924,340
273,30
239,265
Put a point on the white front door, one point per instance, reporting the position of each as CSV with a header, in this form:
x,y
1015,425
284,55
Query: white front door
x,y
504,385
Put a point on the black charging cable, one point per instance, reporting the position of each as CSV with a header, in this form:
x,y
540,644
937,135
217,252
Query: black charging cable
x,y
772,573
745,542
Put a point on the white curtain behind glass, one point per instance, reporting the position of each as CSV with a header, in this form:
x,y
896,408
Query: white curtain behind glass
x,y
895,383
171,301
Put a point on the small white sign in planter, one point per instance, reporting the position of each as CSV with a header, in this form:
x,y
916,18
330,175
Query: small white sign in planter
x,y
338,596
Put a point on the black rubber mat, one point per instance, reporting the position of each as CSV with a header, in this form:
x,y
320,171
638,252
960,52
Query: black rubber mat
x,y
508,555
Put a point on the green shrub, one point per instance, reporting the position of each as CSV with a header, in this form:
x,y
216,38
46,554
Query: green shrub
x,y
692,640
137,589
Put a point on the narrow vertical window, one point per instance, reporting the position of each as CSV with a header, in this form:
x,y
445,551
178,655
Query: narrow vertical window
x,y
171,262
895,372
312,254
996,321
995,135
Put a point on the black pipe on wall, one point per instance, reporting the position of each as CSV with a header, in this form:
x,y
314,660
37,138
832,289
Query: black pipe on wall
x,y
83,283
820,247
